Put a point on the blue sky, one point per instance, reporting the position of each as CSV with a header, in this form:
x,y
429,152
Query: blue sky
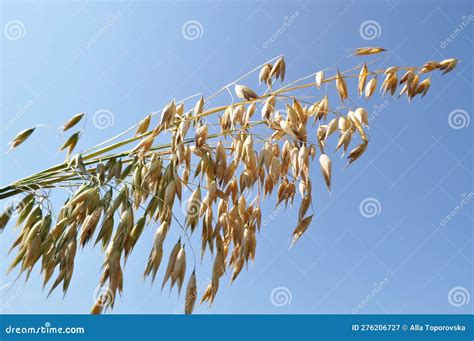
x,y
124,60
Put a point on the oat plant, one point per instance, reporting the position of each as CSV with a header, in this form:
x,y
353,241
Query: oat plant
x,y
228,158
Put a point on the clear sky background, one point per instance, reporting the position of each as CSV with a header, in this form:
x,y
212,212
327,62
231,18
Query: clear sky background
x,y
123,60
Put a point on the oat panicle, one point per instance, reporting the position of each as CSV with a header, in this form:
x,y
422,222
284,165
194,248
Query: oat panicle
x,y
202,172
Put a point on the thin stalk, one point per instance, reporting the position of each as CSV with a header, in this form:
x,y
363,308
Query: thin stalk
x,y
12,189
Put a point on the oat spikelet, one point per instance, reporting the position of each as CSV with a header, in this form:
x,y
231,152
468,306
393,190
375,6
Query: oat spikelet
x,y
72,121
191,294
264,76
20,138
356,153
319,78
5,217
448,65
341,87
97,308
244,92
429,66
167,117
363,51
370,87
171,262
301,228
305,204
144,145
423,87
156,254
325,163
408,76
179,269
143,125
362,79
279,69
70,143
193,208
362,116
199,107
201,136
